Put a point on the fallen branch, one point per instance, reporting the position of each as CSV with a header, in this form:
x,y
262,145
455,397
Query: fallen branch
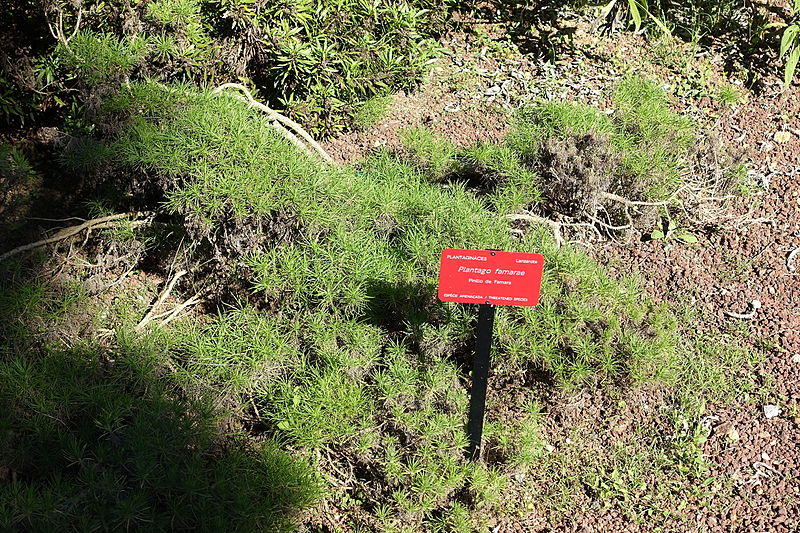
x,y
97,223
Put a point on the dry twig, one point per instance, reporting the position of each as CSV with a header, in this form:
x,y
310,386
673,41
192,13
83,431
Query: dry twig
x,y
632,203
164,295
555,225
57,29
174,313
755,305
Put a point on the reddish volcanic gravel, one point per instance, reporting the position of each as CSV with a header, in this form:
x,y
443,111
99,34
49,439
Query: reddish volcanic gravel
x,y
726,271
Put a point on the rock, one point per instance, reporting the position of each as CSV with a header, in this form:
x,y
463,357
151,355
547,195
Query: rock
x,y
727,430
771,411
796,358
782,137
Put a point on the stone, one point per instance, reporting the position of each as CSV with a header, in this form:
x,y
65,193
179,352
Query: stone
x,y
796,358
772,411
727,430
782,137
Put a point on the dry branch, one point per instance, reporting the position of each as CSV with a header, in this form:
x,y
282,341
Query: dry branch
x,y
755,305
555,225
57,29
631,203
174,313
609,227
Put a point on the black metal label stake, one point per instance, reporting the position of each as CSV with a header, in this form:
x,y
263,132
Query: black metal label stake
x,y
480,379
488,277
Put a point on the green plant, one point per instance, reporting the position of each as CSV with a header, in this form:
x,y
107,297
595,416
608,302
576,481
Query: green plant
x,y
15,105
431,152
103,58
371,112
96,446
790,47
19,183
591,164
319,59
328,338
669,231
631,11
730,95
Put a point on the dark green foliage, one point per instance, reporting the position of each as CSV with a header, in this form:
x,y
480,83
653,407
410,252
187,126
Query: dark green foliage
x,y
15,104
319,56
94,439
19,184
318,59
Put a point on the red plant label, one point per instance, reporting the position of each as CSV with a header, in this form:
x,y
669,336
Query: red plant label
x,y
490,277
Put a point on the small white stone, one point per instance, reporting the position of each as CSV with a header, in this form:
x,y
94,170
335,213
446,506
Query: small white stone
x,y
782,137
550,447
771,411
796,358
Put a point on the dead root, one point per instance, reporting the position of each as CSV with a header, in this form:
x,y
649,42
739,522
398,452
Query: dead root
x,y
57,28
160,301
699,205
110,221
280,122
171,314
557,227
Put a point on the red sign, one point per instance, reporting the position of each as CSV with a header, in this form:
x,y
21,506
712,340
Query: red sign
x,y
490,277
